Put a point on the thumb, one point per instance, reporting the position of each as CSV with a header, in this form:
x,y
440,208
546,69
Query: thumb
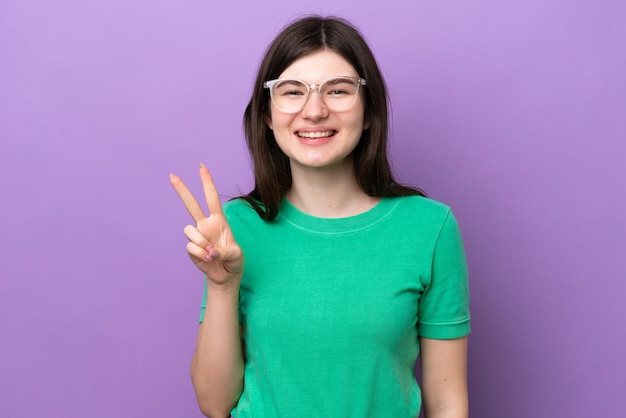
x,y
230,254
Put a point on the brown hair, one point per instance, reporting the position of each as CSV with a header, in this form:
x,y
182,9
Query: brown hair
x,y
272,172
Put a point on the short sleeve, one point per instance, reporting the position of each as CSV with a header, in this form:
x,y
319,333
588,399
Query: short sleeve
x,y
203,305
443,311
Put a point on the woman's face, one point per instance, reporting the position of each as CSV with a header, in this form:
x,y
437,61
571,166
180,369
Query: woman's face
x,y
317,137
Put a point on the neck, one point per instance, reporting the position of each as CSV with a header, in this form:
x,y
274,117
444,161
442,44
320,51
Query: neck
x,y
331,192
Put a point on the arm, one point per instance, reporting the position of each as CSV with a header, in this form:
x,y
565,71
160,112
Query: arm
x,y
444,378
217,364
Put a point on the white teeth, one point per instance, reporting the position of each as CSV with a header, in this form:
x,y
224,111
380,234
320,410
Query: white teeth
x,y
315,134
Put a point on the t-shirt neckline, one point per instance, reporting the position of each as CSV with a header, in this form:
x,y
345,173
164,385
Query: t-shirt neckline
x,y
301,220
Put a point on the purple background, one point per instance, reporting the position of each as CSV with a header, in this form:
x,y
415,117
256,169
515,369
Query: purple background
x,y
511,112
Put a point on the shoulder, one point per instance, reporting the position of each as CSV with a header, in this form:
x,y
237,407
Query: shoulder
x,y
243,219
422,215
239,209
236,204
422,207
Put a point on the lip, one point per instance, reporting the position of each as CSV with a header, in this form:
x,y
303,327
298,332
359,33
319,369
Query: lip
x,y
315,137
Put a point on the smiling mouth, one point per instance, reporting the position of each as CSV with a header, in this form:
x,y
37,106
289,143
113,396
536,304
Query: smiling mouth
x,y
324,134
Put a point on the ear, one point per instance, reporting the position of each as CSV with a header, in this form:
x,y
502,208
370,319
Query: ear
x,y
366,124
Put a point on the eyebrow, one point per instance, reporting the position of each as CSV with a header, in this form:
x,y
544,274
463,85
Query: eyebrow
x,y
290,81
340,79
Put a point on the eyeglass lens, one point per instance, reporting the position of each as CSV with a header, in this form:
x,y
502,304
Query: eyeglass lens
x,y
338,94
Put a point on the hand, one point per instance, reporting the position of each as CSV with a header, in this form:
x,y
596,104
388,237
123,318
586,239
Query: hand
x,y
211,247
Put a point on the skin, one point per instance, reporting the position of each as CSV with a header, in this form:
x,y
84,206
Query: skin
x,y
323,185
217,364
444,378
322,170
307,154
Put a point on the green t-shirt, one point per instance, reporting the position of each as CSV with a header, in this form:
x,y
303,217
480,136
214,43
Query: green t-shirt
x,y
332,308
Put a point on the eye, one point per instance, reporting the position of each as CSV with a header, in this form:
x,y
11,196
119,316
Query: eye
x,y
290,88
291,93
339,87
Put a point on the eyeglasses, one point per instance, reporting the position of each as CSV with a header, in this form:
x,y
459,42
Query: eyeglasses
x,y
290,95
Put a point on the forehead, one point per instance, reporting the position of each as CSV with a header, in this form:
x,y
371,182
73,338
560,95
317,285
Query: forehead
x,y
319,65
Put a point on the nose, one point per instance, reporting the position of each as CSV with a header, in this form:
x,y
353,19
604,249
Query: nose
x,y
314,108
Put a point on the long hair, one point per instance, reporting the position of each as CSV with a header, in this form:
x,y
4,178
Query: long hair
x,y
272,171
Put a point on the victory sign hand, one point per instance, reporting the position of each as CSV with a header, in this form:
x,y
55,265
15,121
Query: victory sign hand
x,y
211,247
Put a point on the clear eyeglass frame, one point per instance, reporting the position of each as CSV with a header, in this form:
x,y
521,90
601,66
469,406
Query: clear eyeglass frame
x,y
357,81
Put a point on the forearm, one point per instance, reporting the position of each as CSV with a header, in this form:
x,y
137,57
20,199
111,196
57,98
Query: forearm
x,y
217,365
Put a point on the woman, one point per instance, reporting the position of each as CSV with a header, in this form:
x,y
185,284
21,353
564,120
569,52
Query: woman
x,y
348,275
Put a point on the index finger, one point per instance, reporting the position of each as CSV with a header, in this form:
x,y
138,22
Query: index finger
x,y
190,202
210,192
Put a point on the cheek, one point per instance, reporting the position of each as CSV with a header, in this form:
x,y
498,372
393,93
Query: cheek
x,y
278,121
360,122
358,117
